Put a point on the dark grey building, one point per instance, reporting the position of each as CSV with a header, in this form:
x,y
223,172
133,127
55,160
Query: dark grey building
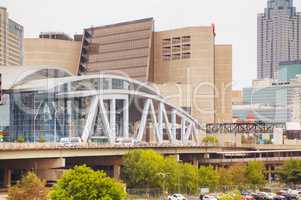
x,y
278,37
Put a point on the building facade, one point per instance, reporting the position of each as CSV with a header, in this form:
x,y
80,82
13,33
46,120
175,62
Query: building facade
x,y
184,60
52,49
123,48
11,40
278,37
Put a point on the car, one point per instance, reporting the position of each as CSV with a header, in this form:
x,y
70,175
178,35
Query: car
x,y
279,197
70,141
176,197
207,197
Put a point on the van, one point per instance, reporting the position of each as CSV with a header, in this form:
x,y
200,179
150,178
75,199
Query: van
x,y
70,141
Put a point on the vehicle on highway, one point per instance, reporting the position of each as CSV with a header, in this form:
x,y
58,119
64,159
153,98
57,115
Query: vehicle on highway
x,y
176,197
70,141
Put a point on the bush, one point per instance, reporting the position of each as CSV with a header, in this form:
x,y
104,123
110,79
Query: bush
x,y
29,188
20,139
82,183
210,140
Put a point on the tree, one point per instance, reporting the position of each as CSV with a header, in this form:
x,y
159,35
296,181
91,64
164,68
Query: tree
x,y
290,172
208,177
210,140
237,175
225,178
82,183
141,168
30,187
172,170
189,179
255,174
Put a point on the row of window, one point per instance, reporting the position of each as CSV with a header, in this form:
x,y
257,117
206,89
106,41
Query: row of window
x,y
177,56
176,40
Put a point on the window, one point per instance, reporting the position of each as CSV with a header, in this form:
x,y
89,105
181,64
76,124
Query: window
x,y
176,56
176,48
176,40
166,57
166,41
186,55
186,39
186,47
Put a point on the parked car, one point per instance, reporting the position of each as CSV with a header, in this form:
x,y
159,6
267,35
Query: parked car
x,y
279,197
176,197
207,197
70,141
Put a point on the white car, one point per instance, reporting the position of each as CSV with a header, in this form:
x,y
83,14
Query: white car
x,y
70,141
176,197
209,197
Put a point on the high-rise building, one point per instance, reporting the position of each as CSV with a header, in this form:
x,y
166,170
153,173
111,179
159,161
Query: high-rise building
x,y
185,64
11,40
278,37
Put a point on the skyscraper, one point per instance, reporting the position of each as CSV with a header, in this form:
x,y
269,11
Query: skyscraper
x,y
11,40
278,37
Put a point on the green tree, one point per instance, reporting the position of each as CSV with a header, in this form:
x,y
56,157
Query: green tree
x,y
189,179
208,177
141,168
210,140
237,175
172,169
290,172
255,174
30,187
82,183
225,178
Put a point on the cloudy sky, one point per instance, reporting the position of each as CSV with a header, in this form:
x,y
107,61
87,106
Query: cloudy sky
x,y
235,20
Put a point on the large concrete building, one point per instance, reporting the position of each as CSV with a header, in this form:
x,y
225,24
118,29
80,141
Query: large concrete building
x,y
11,40
52,49
185,64
124,48
278,37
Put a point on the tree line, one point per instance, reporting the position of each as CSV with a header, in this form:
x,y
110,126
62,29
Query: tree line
x,y
148,169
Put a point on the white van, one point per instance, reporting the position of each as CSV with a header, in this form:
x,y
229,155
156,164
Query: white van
x,y
70,141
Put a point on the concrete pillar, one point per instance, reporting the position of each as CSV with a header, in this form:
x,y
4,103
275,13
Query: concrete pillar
x,y
113,118
196,162
116,172
126,118
7,178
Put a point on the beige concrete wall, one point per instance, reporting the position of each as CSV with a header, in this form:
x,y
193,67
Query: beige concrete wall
x,y
52,52
237,97
197,71
223,83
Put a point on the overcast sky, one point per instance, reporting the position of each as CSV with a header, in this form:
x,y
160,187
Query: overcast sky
x,y
235,21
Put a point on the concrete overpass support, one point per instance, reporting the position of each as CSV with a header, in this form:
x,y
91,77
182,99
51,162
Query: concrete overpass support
x,y
116,171
196,162
7,178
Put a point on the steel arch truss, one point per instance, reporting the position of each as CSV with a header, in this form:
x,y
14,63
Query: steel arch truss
x,y
167,126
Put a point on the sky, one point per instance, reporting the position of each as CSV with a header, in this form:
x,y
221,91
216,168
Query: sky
x,y
235,20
